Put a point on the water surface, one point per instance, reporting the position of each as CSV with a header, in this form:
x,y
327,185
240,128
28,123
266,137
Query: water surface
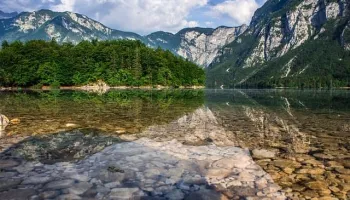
x,y
307,132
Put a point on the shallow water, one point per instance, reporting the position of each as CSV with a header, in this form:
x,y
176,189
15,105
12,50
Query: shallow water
x,y
304,135
308,130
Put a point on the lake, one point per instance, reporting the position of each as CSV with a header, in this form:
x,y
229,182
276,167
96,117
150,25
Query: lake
x,y
176,144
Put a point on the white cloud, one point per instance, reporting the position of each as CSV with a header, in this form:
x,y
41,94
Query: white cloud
x,y
241,11
209,23
63,5
142,16
17,5
146,15
192,24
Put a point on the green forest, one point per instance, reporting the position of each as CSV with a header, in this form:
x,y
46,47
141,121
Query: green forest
x,y
118,63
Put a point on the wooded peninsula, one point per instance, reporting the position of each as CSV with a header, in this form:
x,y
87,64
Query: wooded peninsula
x,y
40,63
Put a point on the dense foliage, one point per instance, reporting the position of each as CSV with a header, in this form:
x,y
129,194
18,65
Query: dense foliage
x,y
123,62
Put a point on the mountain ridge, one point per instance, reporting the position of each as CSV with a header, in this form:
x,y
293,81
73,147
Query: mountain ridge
x,y
4,15
201,47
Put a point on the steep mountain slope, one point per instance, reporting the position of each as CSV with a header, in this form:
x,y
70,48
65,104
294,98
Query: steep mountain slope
x,y
200,45
4,15
289,43
63,26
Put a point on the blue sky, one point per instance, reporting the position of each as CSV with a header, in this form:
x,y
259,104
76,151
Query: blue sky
x,y
146,16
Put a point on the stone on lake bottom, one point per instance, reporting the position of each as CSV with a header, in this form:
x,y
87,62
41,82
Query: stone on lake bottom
x,y
175,195
125,193
49,194
62,184
152,170
18,194
263,154
9,183
79,188
206,195
36,180
68,197
8,164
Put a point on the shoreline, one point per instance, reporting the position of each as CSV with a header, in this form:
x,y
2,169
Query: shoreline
x,y
104,88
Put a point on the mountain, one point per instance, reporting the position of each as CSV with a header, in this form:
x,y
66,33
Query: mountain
x,y
4,15
63,26
200,45
290,43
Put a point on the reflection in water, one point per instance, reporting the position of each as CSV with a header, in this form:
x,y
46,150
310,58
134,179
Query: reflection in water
x,y
300,138
143,168
197,128
127,111
305,131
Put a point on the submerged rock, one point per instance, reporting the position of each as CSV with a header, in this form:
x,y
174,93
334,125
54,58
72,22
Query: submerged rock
x,y
65,146
15,121
263,153
8,163
18,194
150,170
60,184
206,195
125,193
9,183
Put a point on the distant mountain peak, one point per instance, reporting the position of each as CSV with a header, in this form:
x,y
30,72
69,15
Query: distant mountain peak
x,y
4,15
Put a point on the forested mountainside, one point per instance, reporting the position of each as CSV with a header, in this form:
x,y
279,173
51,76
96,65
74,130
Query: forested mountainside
x,y
289,43
118,63
200,45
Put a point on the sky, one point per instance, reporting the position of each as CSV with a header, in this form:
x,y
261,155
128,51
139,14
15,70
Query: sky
x,y
146,16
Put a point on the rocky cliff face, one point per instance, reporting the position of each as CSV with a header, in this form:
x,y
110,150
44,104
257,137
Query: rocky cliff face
x,y
291,29
280,27
200,45
202,48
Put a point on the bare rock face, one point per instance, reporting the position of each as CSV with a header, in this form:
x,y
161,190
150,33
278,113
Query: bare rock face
x,y
202,48
283,34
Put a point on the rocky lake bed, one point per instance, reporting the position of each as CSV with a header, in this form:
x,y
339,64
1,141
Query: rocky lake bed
x,y
224,149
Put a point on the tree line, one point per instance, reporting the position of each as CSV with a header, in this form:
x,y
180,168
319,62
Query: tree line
x,y
118,63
